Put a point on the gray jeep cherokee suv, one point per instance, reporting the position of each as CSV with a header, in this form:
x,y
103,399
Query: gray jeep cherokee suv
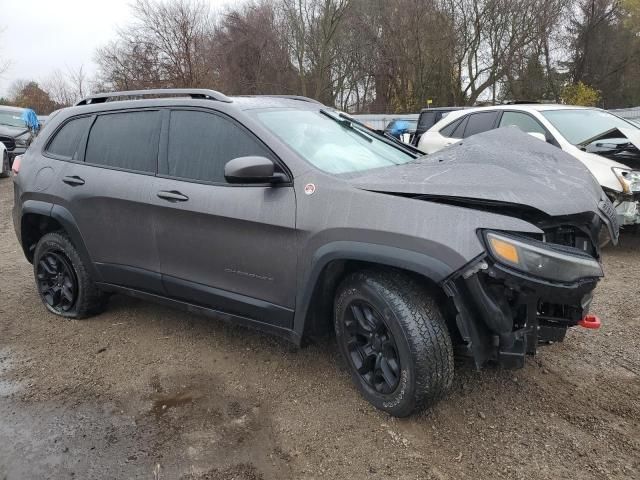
x,y
283,214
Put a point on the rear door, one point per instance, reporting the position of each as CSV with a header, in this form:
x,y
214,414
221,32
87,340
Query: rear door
x,y
109,196
227,247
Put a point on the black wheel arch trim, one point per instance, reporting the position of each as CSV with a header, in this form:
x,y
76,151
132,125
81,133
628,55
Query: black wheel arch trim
x,y
68,223
416,262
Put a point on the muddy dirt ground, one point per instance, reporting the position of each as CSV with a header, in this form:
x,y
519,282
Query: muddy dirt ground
x,y
143,391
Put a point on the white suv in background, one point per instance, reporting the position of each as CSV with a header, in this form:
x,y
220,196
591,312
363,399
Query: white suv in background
x,y
608,145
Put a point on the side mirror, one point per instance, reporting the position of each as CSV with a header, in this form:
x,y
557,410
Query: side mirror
x,y
538,135
251,170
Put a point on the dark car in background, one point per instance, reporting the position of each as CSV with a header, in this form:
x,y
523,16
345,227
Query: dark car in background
x,y
428,118
286,215
14,132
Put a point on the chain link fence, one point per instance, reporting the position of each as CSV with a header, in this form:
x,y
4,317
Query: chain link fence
x,y
628,113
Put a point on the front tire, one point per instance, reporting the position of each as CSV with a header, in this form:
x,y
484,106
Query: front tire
x,y
5,168
394,340
63,281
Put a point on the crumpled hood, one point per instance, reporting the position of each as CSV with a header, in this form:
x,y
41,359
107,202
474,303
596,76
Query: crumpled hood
x,y
503,165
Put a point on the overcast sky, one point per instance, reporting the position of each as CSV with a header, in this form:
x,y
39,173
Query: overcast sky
x,y
43,35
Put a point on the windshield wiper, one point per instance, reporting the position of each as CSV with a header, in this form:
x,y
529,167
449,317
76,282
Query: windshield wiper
x,y
346,123
386,137
599,136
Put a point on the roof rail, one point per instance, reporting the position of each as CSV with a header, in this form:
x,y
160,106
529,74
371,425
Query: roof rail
x,y
174,92
293,97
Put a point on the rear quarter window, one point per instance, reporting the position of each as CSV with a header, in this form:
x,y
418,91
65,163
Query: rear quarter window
x,y
66,141
127,140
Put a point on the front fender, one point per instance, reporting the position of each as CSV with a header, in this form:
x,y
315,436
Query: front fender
x,y
412,261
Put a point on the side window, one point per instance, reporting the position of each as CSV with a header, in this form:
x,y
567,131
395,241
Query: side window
x,y
65,143
201,143
127,140
480,122
459,131
452,127
524,122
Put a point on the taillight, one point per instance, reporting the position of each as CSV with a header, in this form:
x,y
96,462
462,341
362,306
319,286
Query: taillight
x,y
16,164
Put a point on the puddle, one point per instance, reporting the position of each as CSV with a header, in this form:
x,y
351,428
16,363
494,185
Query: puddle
x,y
8,388
6,363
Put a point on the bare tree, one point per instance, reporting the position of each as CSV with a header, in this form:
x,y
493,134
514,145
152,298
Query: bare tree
x,y
59,89
312,28
380,55
249,52
67,87
165,46
4,62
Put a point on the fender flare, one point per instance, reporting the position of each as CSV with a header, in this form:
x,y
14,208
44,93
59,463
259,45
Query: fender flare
x,y
420,263
68,223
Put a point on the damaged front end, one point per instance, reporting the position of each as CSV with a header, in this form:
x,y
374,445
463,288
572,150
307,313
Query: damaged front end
x,y
527,290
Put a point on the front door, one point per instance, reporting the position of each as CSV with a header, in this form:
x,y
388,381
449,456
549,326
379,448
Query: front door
x,y
227,247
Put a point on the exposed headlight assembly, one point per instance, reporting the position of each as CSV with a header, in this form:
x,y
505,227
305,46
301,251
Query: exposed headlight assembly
x,y
542,260
629,179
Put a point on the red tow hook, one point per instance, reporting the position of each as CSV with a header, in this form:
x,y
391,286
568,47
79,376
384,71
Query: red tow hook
x,y
590,321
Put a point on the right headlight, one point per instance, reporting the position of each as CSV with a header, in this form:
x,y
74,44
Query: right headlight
x,y
629,179
560,264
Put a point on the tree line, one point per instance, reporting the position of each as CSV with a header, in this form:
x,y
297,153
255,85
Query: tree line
x,y
375,56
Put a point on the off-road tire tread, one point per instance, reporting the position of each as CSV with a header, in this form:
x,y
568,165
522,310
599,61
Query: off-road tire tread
x,y
92,300
425,329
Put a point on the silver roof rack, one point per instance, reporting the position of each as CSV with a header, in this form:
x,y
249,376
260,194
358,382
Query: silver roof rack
x,y
167,92
293,97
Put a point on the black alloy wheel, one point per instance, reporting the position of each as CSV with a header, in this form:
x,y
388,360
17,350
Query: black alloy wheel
x,y
57,281
371,346
394,340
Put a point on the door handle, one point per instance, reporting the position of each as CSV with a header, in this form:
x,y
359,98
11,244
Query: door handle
x,y
73,181
172,196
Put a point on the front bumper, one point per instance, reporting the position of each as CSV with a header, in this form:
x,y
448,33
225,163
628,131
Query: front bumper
x,y
502,315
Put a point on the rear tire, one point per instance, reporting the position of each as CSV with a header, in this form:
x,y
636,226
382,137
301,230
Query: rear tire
x,y
5,169
63,281
394,340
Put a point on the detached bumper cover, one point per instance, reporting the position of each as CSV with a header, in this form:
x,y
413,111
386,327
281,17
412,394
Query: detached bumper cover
x,y
503,315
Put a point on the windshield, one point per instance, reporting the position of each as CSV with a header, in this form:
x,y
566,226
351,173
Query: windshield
x,y
13,119
578,126
330,145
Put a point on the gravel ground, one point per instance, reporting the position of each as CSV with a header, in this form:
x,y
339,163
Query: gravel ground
x,y
143,391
